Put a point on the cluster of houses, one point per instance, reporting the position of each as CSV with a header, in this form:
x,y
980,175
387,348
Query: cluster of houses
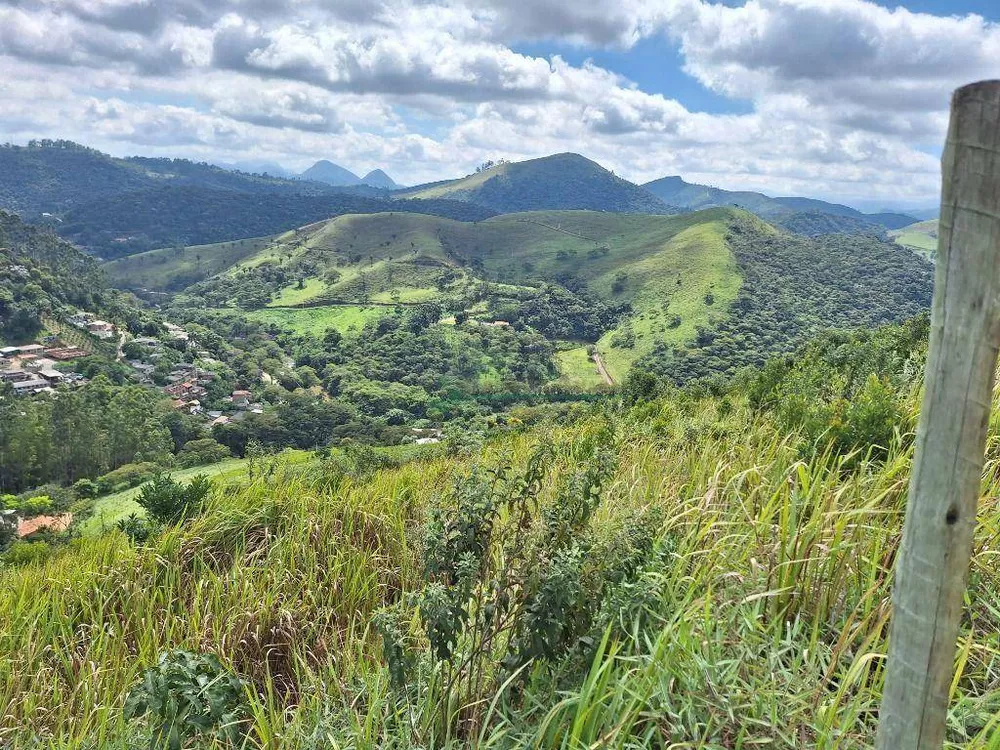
x,y
31,368
89,322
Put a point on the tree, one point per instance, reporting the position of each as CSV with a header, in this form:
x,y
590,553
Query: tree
x,y
201,452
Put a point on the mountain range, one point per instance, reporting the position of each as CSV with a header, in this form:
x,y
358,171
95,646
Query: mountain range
x,y
113,207
784,210
333,174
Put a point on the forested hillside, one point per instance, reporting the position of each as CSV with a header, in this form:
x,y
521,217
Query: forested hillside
x,y
177,216
40,275
115,207
559,182
801,215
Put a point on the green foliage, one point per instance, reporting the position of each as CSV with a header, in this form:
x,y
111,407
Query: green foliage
x,y
187,695
848,390
167,501
80,433
511,578
139,530
127,475
40,275
558,313
85,489
793,288
202,451
22,552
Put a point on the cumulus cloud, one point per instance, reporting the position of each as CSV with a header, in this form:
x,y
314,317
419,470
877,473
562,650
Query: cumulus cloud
x,y
847,96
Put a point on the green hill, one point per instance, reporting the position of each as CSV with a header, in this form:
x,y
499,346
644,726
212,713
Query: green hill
x,y
558,182
42,276
921,238
116,207
690,295
801,215
173,269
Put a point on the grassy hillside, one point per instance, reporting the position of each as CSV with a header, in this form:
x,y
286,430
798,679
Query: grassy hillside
x,y
675,272
175,268
921,238
719,585
562,181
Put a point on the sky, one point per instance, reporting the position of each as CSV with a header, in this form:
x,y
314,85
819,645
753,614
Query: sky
x,y
839,99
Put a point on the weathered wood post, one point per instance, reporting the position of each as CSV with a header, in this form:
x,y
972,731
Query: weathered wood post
x,y
951,438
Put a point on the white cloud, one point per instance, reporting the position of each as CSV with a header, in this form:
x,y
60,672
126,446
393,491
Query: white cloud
x,y
847,97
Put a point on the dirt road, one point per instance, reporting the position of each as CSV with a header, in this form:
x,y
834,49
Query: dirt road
x,y
602,369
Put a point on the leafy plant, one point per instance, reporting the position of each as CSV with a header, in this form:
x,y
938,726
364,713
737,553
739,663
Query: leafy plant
x,y
168,501
186,695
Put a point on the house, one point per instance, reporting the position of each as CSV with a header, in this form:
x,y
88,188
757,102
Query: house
x,y
219,421
241,399
101,328
177,333
23,387
14,376
32,349
65,353
8,351
51,374
29,526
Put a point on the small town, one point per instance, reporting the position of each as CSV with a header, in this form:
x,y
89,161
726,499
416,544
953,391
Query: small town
x,y
42,366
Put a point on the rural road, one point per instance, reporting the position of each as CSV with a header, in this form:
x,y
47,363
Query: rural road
x,y
603,370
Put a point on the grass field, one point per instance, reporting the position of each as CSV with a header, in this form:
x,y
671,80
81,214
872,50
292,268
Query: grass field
x,y
292,295
315,320
921,238
172,269
577,370
757,616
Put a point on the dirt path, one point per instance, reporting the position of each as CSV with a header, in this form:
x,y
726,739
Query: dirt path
x,y
602,369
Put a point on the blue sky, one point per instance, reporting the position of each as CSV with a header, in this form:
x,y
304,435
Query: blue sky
x,y
838,99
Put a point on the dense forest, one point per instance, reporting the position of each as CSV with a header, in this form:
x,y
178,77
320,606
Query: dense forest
x,y
793,288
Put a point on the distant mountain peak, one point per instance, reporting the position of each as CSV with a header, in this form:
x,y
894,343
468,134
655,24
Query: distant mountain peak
x,y
379,179
332,174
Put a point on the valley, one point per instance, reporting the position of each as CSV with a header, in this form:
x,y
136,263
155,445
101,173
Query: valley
x,y
344,366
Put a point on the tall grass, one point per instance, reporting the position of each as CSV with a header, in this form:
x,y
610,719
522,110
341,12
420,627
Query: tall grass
x,y
764,613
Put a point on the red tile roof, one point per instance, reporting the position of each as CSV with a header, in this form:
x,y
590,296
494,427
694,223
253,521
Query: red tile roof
x,y
28,526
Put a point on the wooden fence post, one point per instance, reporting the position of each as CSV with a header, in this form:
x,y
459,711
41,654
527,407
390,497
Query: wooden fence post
x,y
933,560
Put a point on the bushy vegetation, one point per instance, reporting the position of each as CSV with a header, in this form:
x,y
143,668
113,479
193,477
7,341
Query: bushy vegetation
x,y
80,433
689,570
793,288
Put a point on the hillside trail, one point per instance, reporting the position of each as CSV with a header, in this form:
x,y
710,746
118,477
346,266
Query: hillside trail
x,y
602,369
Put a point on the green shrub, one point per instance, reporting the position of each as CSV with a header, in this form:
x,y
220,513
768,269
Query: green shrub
x,y
23,552
188,695
129,475
168,501
85,489
201,452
